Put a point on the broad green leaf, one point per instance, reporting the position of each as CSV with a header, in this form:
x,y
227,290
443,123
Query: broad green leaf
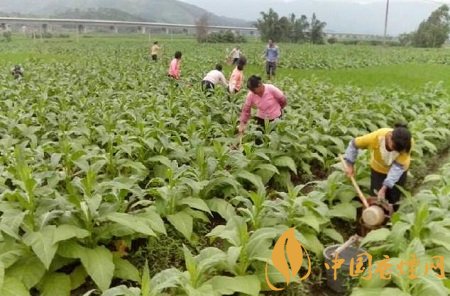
x,y
153,219
196,203
8,258
312,243
67,231
56,284
378,292
224,208
161,159
343,210
13,287
169,278
182,222
11,221
252,178
29,270
285,161
333,234
77,277
99,265
430,285
42,244
136,223
376,236
248,285
122,291
311,220
70,249
125,270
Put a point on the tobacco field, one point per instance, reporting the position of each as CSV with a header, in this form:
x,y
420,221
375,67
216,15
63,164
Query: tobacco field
x,y
116,181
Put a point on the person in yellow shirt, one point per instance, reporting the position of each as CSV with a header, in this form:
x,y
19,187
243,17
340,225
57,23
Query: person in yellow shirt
x,y
154,51
390,158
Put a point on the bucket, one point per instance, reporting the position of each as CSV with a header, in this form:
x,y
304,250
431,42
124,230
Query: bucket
x,y
342,274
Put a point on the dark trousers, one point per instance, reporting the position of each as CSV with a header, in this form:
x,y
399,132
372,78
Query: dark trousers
x,y
392,194
261,127
207,87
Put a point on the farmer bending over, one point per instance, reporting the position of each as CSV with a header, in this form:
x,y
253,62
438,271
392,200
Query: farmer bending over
x,y
268,100
390,158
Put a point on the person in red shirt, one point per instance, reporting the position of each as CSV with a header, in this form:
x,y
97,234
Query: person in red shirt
x,y
268,100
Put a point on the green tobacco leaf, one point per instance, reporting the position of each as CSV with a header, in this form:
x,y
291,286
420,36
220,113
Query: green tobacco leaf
x,y
122,291
378,292
376,236
196,203
285,161
99,265
56,284
125,270
11,221
13,287
224,208
67,231
252,178
169,278
136,223
42,244
248,285
182,222
153,219
311,220
29,270
77,277
343,210
430,285
333,234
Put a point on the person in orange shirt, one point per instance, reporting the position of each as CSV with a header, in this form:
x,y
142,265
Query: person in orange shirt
x,y
174,67
237,77
390,150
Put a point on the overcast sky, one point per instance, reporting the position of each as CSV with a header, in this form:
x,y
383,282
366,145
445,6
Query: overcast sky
x,y
345,16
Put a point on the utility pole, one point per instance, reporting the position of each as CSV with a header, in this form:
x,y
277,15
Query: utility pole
x,y
386,21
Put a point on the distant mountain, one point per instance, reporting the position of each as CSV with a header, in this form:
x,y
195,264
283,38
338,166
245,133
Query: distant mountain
x,y
99,14
169,11
340,16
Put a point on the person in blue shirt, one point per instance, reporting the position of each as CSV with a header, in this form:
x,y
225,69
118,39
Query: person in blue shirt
x,y
271,54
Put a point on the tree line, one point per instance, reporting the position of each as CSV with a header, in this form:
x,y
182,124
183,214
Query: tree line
x,y
290,28
432,32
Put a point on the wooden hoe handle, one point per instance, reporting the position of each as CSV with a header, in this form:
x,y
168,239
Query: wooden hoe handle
x,y
358,190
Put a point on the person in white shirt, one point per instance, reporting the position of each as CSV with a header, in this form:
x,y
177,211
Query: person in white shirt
x,y
235,55
212,78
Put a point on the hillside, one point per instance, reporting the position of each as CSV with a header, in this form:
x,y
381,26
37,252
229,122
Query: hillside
x,y
170,11
100,14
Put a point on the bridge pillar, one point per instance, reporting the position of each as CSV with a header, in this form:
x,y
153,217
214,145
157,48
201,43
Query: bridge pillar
x,y
142,29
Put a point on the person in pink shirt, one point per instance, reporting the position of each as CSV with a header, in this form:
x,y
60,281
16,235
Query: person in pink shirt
x,y
174,67
237,77
268,100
